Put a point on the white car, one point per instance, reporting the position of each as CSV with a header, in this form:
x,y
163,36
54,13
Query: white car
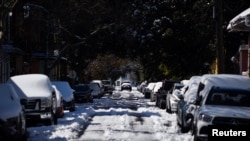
x,y
67,94
126,85
40,95
100,84
148,89
96,90
59,99
155,90
221,101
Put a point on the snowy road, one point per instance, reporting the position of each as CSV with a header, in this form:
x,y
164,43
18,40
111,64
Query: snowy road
x,y
124,117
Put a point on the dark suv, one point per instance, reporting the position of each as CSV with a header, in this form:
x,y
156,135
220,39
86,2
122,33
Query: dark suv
x,y
222,106
162,94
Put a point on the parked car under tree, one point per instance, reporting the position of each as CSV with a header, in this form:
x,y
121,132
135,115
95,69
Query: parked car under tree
x,y
83,93
40,95
67,94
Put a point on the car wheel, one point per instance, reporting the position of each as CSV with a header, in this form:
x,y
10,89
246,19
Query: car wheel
x,y
54,113
21,130
183,127
168,110
156,102
55,118
162,104
72,109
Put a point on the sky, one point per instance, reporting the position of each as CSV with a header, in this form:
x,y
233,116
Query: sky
x,y
124,116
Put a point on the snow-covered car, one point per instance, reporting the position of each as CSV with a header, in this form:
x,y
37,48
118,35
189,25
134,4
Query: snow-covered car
x,y
59,99
40,95
83,93
12,114
155,90
148,89
142,86
185,106
126,85
67,94
220,101
108,88
101,85
223,106
172,96
173,100
185,110
96,90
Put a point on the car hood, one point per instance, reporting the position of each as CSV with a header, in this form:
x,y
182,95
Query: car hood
x,y
32,85
65,89
229,111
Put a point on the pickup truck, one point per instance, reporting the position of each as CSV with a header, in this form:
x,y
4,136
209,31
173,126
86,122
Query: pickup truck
x,y
40,95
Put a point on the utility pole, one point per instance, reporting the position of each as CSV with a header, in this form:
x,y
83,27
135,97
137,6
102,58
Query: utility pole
x,y
219,37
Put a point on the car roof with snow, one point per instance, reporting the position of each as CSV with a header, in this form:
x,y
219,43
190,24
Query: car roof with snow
x,y
32,85
222,80
65,89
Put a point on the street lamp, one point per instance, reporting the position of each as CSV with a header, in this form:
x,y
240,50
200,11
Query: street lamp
x,y
9,16
27,8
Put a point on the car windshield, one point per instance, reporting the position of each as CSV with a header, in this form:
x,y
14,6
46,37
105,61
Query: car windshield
x,y
94,86
106,82
230,98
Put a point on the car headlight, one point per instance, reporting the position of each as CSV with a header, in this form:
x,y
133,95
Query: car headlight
x,y
205,118
46,102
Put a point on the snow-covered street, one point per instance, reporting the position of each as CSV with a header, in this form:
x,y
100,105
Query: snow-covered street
x,y
126,116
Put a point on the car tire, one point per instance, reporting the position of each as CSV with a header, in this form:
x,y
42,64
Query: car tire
x,y
168,109
21,135
72,109
183,127
162,104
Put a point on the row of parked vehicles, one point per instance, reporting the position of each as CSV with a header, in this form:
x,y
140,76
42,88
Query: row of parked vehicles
x,y
206,101
35,99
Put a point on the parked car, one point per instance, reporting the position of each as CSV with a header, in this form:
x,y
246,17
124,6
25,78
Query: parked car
x,y
186,108
40,95
155,90
220,101
126,85
172,93
67,94
59,99
108,88
83,93
96,89
101,85
141,86
148,89
12,115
